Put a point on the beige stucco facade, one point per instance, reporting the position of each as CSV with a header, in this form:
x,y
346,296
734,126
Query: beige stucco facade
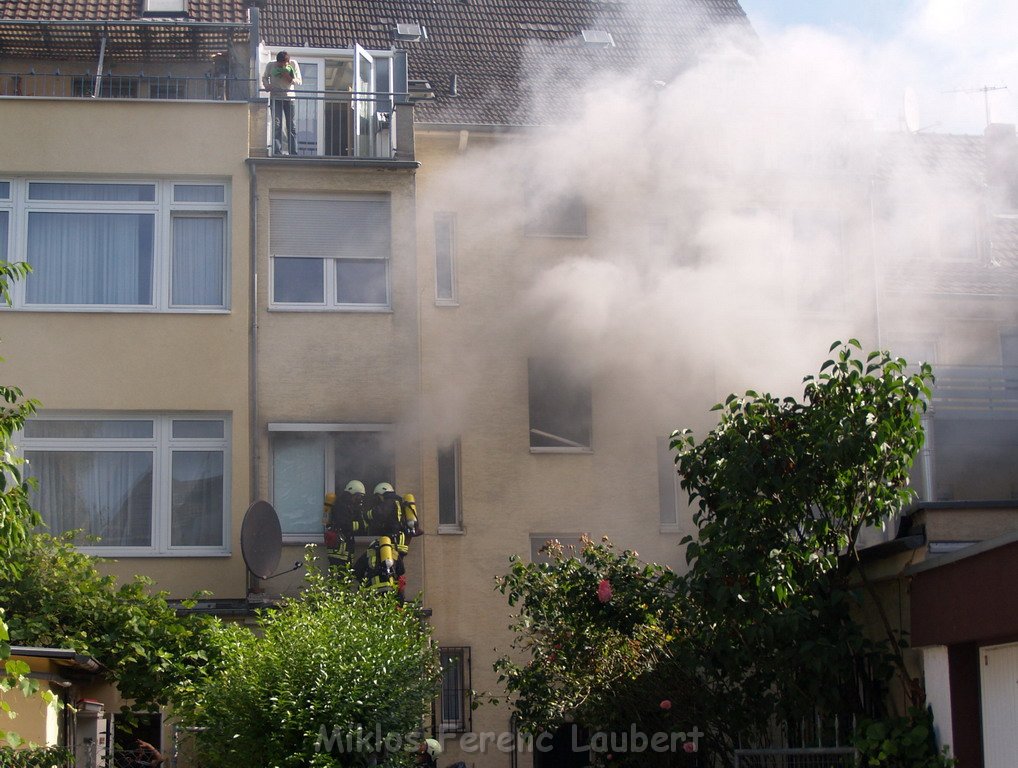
x,y
152,362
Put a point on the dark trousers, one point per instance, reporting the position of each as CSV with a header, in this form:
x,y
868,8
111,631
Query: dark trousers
x,y
282,127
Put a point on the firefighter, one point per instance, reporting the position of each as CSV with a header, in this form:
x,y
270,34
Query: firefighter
x,y
428,752
343,519
379,568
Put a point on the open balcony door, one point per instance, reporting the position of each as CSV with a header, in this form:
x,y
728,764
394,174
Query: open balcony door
x,y
365,119
309,120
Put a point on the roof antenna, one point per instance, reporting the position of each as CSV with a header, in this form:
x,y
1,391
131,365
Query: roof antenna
x,y
985,90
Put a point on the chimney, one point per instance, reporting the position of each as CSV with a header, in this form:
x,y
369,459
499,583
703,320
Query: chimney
x,y
1001,157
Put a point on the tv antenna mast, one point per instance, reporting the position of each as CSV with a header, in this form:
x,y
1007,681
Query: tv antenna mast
x,y
985,90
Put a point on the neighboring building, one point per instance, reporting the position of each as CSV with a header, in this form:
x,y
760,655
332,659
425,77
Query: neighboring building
x,y
210,323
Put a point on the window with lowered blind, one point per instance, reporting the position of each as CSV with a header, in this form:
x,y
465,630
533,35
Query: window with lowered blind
x,y
330,253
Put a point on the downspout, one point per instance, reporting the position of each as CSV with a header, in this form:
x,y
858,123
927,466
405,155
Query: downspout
x,y
252,352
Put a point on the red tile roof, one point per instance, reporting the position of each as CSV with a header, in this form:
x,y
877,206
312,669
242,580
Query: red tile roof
x,y
217,11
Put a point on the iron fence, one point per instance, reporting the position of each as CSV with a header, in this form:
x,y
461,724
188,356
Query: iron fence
x,y
802,757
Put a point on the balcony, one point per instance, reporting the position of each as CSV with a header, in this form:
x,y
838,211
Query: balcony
x,y
972,436
210,86
341,125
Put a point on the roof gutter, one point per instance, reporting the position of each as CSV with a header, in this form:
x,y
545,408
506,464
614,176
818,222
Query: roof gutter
x,y
62,654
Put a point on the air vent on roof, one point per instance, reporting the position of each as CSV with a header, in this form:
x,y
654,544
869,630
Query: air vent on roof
x,y
163,7
410,33
598,38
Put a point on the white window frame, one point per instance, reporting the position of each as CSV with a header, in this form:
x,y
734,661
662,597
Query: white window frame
x,y
454,446
163,209
446,219
330,303
669,489
161,445
329,459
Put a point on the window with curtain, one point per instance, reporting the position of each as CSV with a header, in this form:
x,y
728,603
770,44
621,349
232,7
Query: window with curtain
x,y
95,245
136,485
330,253
309,461
445,259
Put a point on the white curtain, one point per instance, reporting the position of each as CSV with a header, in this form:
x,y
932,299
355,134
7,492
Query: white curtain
x,y
198,261
90,258
105,493
197,503
298,481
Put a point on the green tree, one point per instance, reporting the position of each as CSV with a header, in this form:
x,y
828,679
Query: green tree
x,y
17,517
765,624
57,598
320,679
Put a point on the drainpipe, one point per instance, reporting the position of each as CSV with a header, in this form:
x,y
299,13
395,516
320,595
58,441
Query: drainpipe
x,y
253,46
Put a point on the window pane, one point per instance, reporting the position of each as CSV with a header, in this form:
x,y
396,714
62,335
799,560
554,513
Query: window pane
x,y
448,496
198,260
298,481
366,456
199,193
444,234
197,500
362,282
105,493
4,229
298,280
560,407
5,190
90,258
452,687
50,190
197,428
75,429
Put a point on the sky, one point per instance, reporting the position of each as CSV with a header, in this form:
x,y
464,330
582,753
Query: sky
x,y
944,50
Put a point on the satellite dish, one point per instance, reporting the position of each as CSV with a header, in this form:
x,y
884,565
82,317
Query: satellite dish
x,y
261,539
911,111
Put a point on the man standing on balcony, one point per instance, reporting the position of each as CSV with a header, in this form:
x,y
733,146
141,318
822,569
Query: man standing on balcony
x,y
279,80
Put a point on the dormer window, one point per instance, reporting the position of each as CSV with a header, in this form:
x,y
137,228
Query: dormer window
x,y
598,38
409,32
163,7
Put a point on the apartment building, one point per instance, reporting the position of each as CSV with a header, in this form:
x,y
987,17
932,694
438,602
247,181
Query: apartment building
x,y
211,321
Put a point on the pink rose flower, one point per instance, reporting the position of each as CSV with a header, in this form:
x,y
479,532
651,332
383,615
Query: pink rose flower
x,y
666,704
689,746
604,590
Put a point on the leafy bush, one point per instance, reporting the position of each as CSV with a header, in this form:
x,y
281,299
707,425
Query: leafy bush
x,y
902,742
38,757
335,661
57,598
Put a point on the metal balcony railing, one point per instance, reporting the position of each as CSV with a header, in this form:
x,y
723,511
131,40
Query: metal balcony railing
x,y
209,87
333,124
976,388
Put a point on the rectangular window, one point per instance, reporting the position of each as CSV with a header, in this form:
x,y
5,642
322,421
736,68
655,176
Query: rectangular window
x,y
449,514
112,86
138,486
561,409
167,87
310,460
330,253
668,486
453,708
554,214
140,246
445,258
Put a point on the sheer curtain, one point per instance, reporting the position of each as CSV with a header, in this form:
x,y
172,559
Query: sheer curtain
x,y
197,271
90,258
105,493
298,481
197,500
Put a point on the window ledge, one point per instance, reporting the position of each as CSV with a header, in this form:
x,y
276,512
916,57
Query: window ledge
x,y
111,310
129,552
670,528
446,303
334,310
451,530
560,450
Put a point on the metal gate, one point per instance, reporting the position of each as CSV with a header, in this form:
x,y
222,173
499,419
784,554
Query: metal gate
x,y
803,757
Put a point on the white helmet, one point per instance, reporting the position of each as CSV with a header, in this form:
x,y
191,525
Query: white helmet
x,y
432,747
383,488
355,486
